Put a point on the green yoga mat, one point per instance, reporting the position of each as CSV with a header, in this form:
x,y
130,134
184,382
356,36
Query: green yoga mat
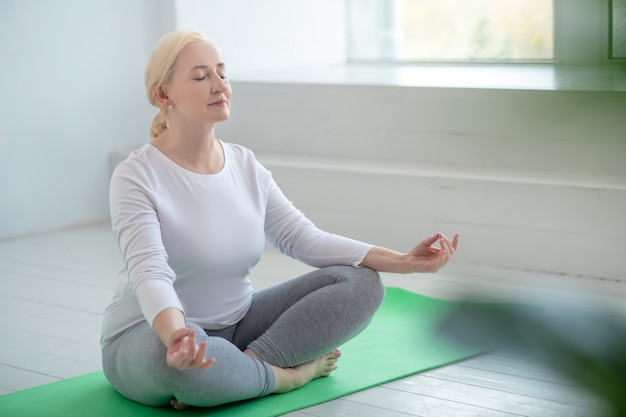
x,y
401,340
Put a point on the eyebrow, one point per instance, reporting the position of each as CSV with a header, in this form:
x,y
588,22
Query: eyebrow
x,y
220,65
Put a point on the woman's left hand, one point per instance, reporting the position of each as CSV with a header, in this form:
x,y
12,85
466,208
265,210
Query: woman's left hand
x,y
427,258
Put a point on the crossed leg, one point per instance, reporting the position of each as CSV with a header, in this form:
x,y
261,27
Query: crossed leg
x,y
304,318
287,339
295,326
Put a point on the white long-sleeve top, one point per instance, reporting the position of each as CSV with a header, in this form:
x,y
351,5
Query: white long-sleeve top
x,y
189,241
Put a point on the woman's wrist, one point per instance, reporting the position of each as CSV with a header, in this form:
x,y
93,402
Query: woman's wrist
x,y
385,260
168,325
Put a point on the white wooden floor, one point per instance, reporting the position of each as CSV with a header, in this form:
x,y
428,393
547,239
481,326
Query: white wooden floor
x,y
54,287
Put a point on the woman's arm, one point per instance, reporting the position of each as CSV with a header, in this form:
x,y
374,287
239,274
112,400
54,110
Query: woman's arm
x,y
137,228
423,258
288,229
293,234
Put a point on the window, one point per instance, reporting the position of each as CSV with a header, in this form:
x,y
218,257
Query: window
x,y
451,30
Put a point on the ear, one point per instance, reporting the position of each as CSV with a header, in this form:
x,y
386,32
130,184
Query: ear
x,y
161,96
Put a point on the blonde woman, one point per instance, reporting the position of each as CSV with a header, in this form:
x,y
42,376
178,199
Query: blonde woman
x,y
191,214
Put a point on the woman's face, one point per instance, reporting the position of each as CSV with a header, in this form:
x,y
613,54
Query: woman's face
x,y
199,90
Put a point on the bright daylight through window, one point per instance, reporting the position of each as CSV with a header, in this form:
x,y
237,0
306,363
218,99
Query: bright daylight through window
x,y
450,30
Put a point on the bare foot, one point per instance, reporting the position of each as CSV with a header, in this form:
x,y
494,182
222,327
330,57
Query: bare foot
x,y
324,365
288,379
178,405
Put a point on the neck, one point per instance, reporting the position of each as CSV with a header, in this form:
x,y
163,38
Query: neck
x,y
193,147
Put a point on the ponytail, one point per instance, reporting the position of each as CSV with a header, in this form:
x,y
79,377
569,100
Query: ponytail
x,y
159,123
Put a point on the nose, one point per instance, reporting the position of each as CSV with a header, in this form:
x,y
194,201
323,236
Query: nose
x,y
219,85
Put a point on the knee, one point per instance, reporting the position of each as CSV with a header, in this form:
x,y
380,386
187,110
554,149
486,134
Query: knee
x,y
372,284
366,284
363,284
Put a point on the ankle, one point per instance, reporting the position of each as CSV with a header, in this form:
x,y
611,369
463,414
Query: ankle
x,y
288,379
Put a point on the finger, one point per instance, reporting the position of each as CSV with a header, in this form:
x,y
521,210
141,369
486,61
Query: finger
x,y
182,354
447,256
428,251
444,256
178,336
199,355
191,341
455,241
208,363
443,242
182,348
200,361
428,241
203,362
447,245
179,359
176,360
192,347
453,244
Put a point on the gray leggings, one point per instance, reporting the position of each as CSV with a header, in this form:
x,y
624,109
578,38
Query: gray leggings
x,y
286,325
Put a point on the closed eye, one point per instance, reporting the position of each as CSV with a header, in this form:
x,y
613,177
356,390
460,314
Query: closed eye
x,y
223,77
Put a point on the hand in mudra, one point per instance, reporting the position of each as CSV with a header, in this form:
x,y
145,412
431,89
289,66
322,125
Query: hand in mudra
x,y
184,353
427,258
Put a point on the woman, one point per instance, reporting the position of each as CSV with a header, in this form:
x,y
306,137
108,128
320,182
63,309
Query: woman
x,y
191,215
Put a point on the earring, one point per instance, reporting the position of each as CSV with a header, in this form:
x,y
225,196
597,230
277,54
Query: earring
x,y
169,106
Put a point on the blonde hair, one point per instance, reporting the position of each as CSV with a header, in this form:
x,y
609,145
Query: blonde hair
x,y
160,68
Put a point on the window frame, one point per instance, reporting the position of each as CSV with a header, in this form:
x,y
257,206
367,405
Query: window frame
x,y
581,32
610,36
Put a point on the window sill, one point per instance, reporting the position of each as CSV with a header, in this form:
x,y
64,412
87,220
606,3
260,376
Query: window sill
x,y
611,183
546,77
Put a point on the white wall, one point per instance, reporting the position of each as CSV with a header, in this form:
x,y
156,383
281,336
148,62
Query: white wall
x,y
72,87
531,179
270,34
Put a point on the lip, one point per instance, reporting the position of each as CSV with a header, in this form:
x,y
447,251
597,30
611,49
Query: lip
x,y
218,103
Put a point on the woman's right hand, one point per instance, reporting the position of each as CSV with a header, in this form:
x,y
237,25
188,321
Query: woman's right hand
x,y
184,353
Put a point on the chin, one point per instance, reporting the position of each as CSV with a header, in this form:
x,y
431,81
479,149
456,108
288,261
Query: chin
x,y
220,117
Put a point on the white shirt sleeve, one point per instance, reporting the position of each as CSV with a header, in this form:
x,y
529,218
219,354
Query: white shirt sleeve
x,y
293,234
137,230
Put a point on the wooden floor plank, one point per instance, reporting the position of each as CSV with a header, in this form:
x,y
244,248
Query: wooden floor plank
x,y
423,405
545,390
491,398
87,275
24,339
15,379
53,292
514,367
49,312
348,408
45,363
